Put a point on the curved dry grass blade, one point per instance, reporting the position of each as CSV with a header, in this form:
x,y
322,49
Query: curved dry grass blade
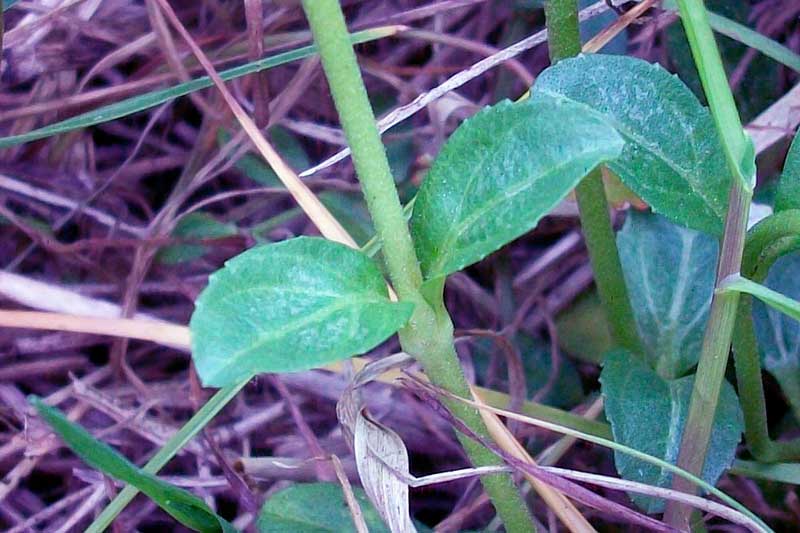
x,y
309,203
131,328
555,500
722,511
558,428
349,497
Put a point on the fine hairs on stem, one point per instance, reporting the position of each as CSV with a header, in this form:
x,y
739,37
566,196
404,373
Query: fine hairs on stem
x,y
429,335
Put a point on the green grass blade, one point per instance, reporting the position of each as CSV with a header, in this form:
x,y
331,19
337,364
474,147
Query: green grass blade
x,y
145,101
780,472
774,299
200,419
182,505
748,37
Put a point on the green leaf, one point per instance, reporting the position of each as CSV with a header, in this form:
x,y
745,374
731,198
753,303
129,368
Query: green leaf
x,y
669,271
498,174
583,329
672,158
780,472
537,362
649,414
351,212
194,226
315,508
778,335
291,306
788,194
135,104
287,145
182,505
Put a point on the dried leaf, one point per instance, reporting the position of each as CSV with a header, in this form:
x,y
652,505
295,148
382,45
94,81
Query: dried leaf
x,y
380,455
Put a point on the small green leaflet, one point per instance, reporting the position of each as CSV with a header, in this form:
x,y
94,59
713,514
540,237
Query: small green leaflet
x,y
669,271
315,508
672,158
291,306
182,505
649,413
254,166
194,226
499,173
778,335
788,194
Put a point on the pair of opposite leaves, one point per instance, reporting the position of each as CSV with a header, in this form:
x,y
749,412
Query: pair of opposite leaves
x,y
307,302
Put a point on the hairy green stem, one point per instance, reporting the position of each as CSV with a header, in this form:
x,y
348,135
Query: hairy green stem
x,y
601,243
563,34
429,334
722,317
368,152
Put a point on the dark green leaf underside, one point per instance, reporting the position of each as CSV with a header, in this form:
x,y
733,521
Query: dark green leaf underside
x,y
669,271
649,414
672,157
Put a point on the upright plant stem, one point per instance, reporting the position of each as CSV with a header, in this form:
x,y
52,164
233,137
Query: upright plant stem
x,y
717,340
563,34
429,335
770,239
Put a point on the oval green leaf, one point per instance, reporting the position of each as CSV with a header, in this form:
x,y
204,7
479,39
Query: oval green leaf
x,y
194,226
290,306
315,508
669,271
499,173
649,414
672,158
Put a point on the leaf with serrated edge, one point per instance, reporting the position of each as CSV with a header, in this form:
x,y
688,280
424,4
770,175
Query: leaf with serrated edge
x,y
672,159
315,508
669,271
291,306
779,335
788,194
649,414
498,174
